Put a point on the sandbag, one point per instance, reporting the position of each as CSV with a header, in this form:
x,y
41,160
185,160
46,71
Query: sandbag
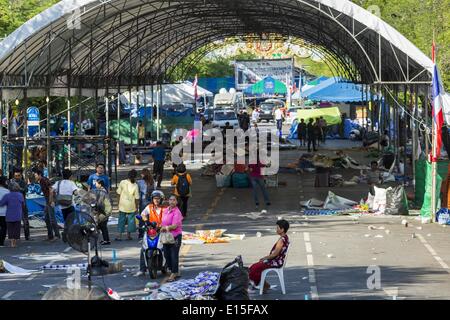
x,y
396,201
240,180
223,181
233,282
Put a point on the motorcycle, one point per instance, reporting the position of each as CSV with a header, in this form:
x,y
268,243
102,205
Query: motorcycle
x,y
154,256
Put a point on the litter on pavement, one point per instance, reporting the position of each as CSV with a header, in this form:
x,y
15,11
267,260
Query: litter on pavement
x,y
12,269
201,287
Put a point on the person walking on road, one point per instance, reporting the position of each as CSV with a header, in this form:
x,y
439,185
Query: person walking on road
x,y
99,174
279,120
3,191
256,179
14,202
159,158
128,192
18,178
311,131
172,221
182,182
50,218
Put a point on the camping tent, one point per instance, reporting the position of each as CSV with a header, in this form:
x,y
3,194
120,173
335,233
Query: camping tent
x,y
335,90
266,87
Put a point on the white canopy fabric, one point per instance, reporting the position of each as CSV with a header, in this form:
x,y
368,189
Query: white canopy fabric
x,y
171,94
112,40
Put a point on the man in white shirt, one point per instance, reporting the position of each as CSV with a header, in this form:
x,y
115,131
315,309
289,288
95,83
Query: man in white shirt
x,y
279,120
255,115
64,191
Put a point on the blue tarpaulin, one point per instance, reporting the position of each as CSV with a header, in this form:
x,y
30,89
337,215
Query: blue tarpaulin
x,y
335,90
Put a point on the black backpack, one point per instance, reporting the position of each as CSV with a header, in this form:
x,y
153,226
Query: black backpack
x,y
183,187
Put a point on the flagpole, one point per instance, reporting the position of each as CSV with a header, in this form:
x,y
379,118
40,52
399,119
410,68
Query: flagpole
x,y
433,174
434,148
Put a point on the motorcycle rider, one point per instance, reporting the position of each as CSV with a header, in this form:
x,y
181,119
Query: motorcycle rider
x,y
152,213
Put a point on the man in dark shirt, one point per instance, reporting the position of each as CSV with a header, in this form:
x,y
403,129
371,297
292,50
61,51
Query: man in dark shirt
x,y
50,218
159,158
301,132
18,178
311,131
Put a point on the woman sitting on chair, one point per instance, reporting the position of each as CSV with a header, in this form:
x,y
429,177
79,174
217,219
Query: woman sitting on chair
x,y
275,259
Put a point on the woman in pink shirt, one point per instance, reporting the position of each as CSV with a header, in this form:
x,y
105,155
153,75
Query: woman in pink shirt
x,y
172,222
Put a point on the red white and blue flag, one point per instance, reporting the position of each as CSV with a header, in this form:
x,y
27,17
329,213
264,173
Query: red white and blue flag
x,y
438,114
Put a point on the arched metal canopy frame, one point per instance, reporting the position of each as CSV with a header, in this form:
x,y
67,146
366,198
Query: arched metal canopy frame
x,y
123,43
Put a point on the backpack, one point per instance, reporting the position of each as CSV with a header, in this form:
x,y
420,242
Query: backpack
x,y
62,199
183,187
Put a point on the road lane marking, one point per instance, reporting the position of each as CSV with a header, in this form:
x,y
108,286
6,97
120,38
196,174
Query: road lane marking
x,y
433,253
308,247
311,271
306,236
312,276
31,277
310,259
67,249
8,295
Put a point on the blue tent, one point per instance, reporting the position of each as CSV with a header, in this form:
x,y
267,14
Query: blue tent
x,y
335,90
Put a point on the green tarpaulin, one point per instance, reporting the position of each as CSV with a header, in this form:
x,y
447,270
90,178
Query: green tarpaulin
x,y
424,184
331,115
267,86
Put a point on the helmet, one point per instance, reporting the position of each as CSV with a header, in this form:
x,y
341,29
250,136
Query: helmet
x,y
157,194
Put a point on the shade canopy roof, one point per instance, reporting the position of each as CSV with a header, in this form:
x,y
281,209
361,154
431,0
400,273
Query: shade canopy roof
x,y
99,44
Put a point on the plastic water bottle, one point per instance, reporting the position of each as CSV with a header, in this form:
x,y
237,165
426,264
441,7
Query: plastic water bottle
x,y
114,256
306,297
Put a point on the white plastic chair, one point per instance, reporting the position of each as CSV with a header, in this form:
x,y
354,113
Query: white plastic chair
x,y
279,272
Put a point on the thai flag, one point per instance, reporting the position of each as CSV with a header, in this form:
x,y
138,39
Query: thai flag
x,y
438,115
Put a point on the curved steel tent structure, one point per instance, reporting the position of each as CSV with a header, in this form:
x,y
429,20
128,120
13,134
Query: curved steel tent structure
x,y
95,48
99,44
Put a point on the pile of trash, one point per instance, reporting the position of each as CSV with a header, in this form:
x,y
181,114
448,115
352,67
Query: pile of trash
x,y
209,237
309,162
211,170
391,201
333,205
202,287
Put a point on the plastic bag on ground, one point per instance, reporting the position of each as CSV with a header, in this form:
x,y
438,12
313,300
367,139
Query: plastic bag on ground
x,y
223,181
335,202
396,201
379,201
234,281
443,216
